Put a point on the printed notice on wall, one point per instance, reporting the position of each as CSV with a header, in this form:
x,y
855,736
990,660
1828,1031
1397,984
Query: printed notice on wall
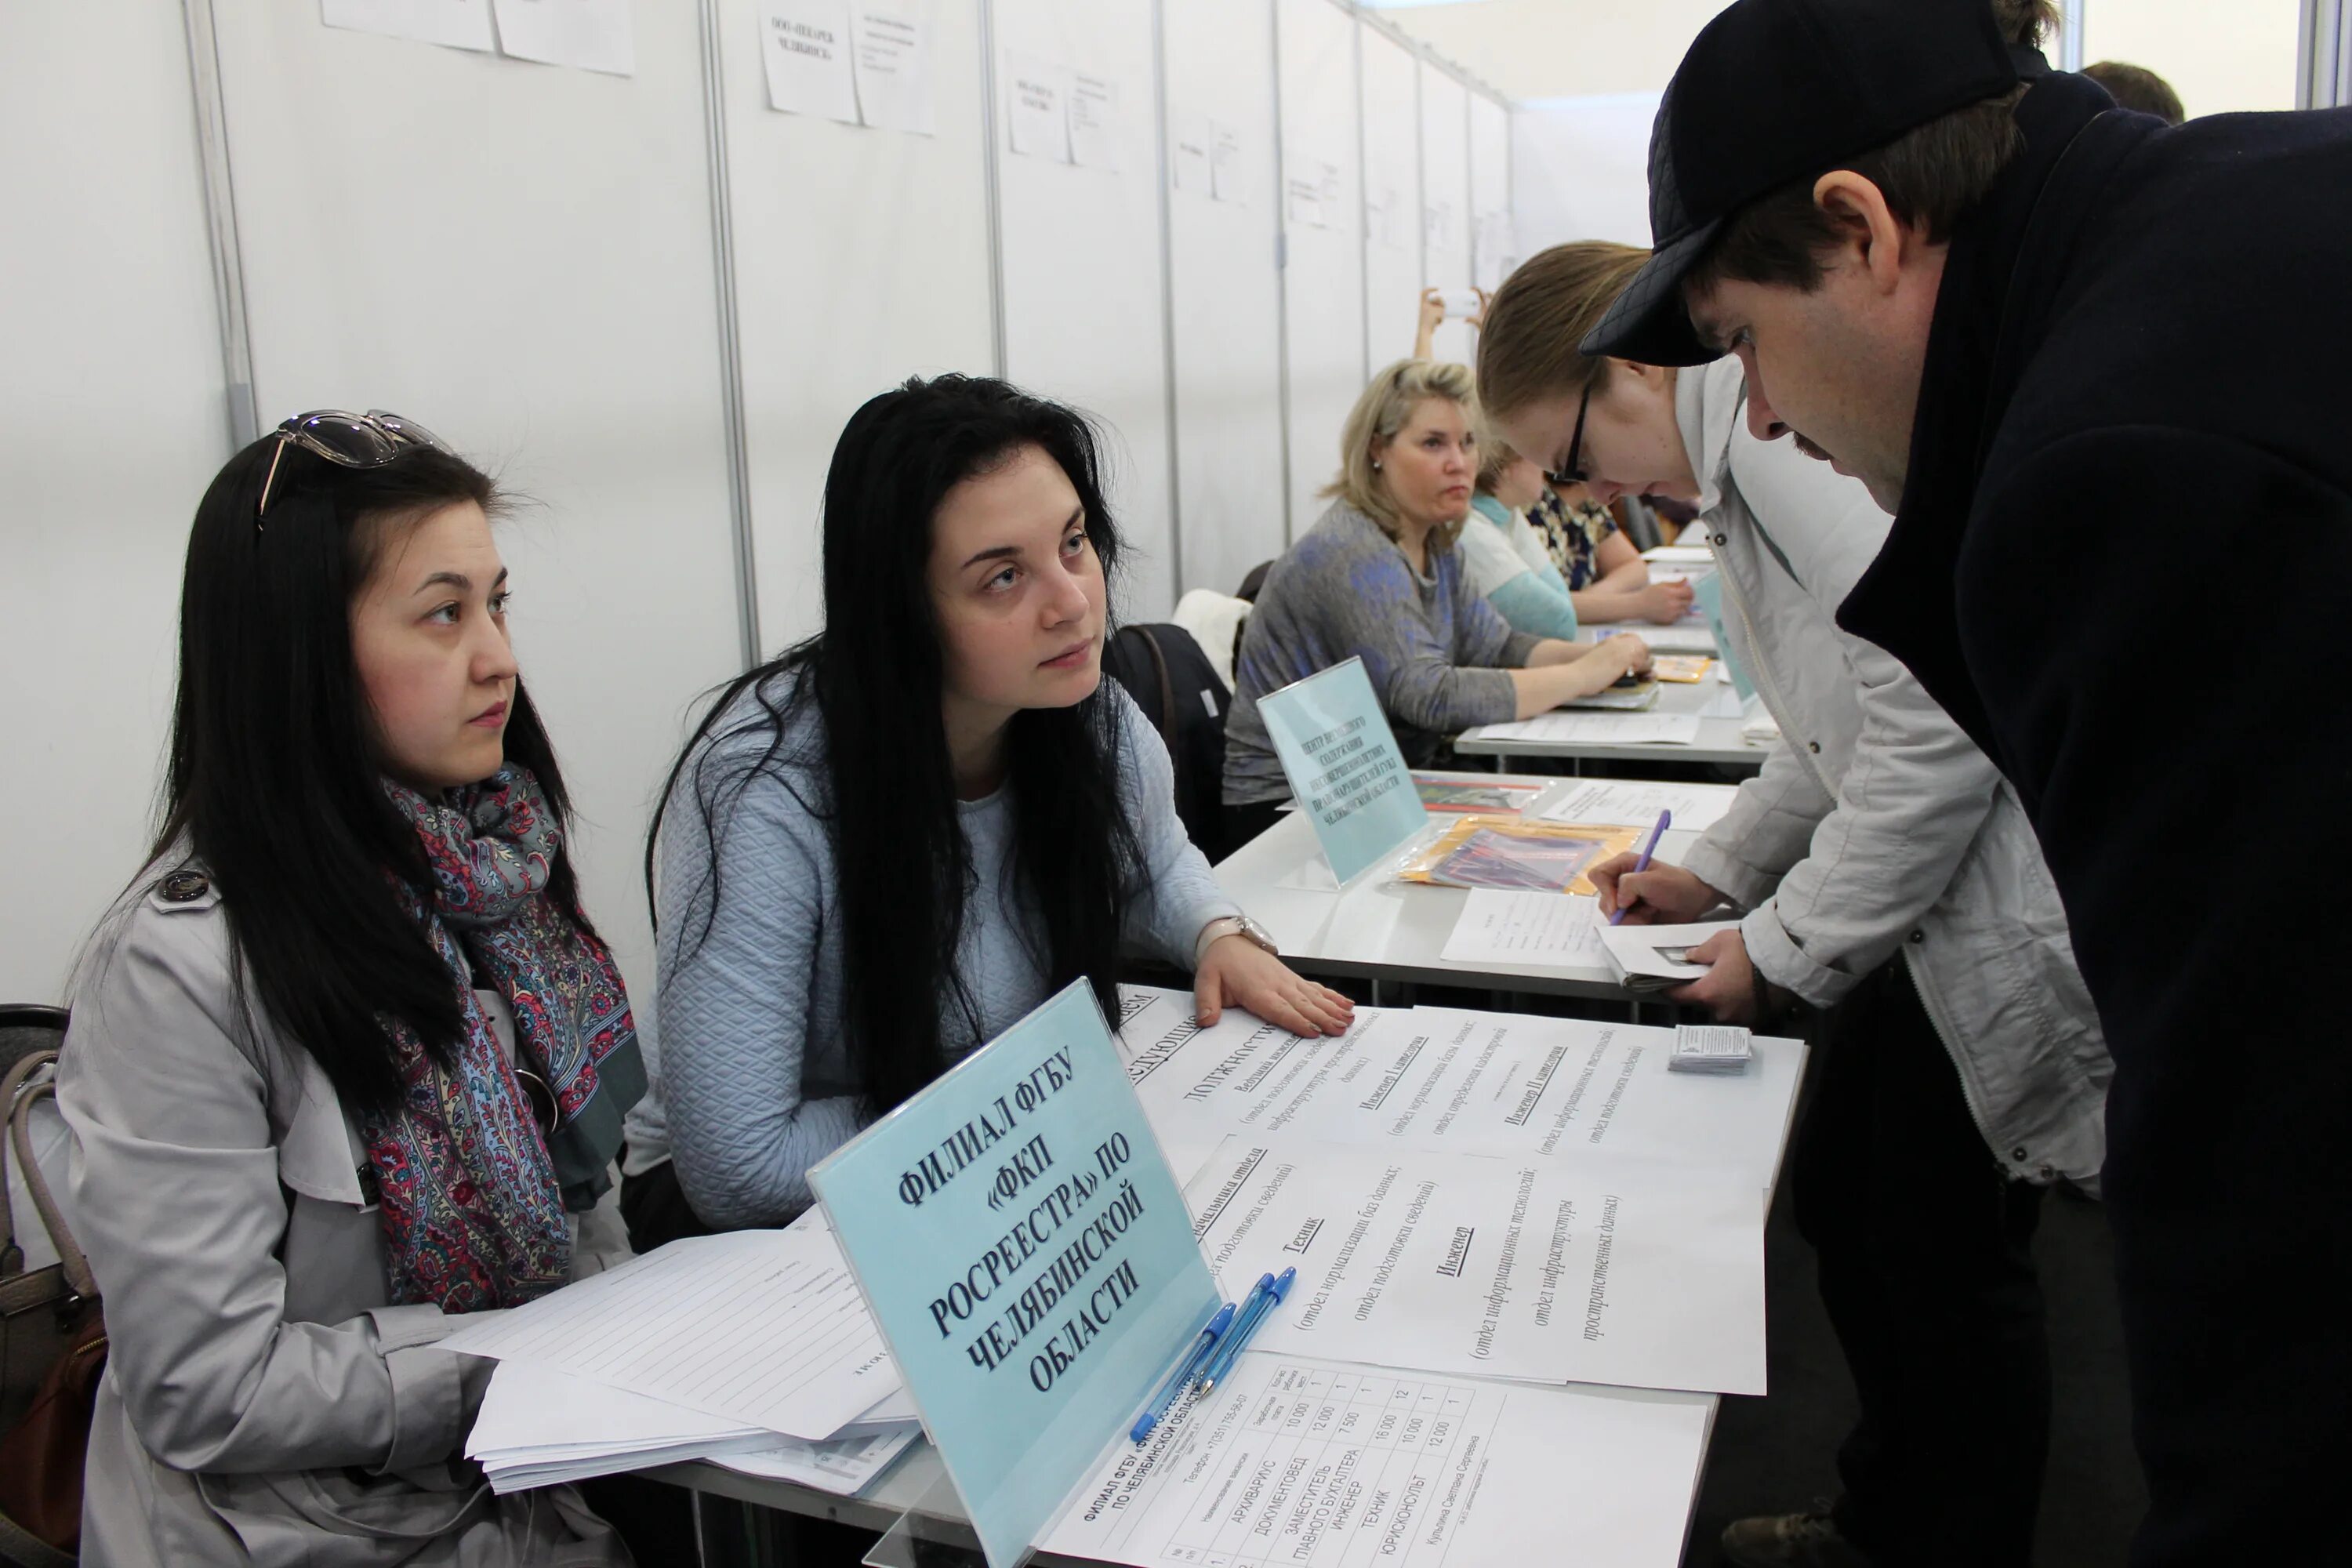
x,y
806,45
1226,181
1037,94
892,51
456,24
1189,140
1094,120
594,35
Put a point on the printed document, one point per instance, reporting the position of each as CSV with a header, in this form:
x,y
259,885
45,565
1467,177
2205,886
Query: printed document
x,y
1635,802
1549,1270
1317,1465
1600,730
1550,931
764,1327
1433,1078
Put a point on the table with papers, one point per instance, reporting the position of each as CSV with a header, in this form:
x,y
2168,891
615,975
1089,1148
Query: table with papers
x,y
1390,934
1433,1156
1697,722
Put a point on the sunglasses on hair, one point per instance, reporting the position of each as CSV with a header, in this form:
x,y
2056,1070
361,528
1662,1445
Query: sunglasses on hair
x,y
1572,471
367,440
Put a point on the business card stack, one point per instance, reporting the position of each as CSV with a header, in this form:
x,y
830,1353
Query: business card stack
x,y
1720,1048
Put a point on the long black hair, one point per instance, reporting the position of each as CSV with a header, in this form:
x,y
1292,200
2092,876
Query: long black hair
x,y
886,783
275,778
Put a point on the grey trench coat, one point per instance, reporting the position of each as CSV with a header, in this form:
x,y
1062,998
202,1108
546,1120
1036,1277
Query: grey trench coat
x,y
264,1402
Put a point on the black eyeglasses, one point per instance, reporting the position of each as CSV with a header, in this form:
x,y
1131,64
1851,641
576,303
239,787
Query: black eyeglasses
x,y
367,440
1572,472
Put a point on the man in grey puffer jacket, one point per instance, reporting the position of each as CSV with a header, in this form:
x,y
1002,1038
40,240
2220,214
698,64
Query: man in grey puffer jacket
x,y
1886,871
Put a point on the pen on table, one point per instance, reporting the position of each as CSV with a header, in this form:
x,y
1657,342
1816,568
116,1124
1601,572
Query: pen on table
x,y
1268,1295
1643,863
1177,1379
1242,1312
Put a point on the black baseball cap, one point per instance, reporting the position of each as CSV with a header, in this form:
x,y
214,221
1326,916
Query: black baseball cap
x,y
1773,91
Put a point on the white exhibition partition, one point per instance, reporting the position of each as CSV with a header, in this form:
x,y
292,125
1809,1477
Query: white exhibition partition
x,y
1392,123
1445,198
860,258
1580,170
1323,299
114,405
507,252
1224,291
1083,297
1493,251
649,299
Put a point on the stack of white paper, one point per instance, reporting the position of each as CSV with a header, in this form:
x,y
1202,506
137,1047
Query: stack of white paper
x,y
539,1426
1715,1048
752,1346
1601,729
1654,958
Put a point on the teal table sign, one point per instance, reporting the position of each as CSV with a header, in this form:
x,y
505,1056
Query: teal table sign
x,y
1708,592
1027,1253
1344,768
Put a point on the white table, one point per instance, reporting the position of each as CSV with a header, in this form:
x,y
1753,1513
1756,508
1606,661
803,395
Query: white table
x,y
1384,931
1719,740
731,1533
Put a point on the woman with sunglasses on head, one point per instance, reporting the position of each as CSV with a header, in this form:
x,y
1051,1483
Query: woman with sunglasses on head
x,y
1882,866
347,1060
884,847
1378,577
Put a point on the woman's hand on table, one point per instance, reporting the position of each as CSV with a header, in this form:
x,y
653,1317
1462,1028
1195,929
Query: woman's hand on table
x,y
1238,973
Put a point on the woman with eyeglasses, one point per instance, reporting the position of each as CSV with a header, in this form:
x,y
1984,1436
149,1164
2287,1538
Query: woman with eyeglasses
x,y
1880,867
883,846
347,1060
1378,577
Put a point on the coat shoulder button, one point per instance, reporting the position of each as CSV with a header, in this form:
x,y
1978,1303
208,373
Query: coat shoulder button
x,y
184,887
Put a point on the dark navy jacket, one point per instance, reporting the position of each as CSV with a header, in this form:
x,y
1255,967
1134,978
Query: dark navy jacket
x,y
2124,564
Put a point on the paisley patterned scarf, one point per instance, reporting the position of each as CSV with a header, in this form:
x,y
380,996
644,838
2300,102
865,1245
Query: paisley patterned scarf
x,y
474,1194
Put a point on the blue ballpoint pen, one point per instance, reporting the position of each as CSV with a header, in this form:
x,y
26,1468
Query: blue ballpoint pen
x,y
1643,863
1246,1311
1237,1337
1184,1373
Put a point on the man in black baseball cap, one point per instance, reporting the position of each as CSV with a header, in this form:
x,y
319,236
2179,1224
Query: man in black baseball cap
x,y
2084,357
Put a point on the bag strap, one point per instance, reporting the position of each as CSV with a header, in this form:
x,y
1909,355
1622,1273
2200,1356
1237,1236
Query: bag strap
x,y
22,1099
18,1544
11,1257
1167,690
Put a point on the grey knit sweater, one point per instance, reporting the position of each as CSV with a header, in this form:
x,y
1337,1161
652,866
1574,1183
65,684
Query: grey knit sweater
x,y
1436,650
752,1081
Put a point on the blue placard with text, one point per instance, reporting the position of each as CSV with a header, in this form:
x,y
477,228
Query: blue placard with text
x,y
1344,768
1708,592
1027,1253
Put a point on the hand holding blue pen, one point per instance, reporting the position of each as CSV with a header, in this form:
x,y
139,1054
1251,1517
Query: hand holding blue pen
x,y
1262,1303
1664,818
1202,1347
